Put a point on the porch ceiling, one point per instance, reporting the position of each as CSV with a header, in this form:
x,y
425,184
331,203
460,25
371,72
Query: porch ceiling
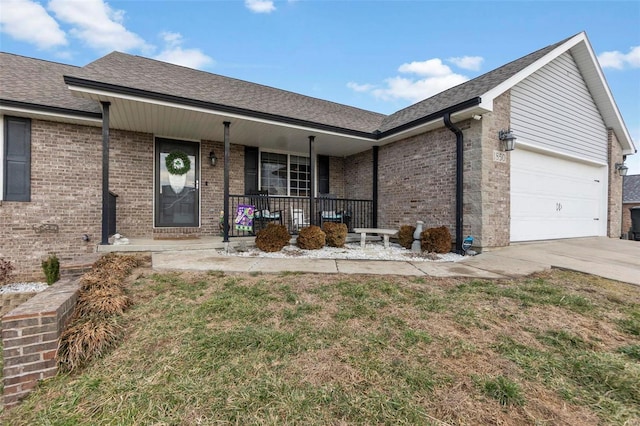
x,y
193,123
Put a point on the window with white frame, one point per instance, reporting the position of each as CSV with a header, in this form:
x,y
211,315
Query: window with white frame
x,y
285,174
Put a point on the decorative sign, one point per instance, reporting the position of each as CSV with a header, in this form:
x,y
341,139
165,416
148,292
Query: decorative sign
x,y
499,156
46,228
244,217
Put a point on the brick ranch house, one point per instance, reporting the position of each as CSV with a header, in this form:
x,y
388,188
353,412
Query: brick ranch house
x,y
440,160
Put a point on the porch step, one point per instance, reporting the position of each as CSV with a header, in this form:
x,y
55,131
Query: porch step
x,y
78,265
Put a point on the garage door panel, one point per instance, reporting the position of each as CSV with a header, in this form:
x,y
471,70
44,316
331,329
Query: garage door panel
x,y
555,198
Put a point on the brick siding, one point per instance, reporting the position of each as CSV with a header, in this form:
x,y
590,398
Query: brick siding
x,y
66,191
614,210
30,339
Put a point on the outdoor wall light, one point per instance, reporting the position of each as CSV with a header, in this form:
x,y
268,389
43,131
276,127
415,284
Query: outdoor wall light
x,y
508,140
622,169
213,158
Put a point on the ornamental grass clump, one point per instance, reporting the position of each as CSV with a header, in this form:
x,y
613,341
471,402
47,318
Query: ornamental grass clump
x,y
272,238
405,236
436,240
336,233
94,328
311,238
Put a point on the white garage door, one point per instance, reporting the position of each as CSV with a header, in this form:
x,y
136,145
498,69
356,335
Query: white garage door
x,y
553,197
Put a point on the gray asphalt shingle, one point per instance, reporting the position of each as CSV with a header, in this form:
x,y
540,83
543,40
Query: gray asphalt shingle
x,y
631,189
39,82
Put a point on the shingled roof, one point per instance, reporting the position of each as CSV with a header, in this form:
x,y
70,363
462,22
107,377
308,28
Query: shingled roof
x,y
39,83
160,77
631,189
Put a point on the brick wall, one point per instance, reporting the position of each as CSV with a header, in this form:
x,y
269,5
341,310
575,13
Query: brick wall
x,y
30,339
65,191
66,182
614,213
417,181
336,177
358,175
495,183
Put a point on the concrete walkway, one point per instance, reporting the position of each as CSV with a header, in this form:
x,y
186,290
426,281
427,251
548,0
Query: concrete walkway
x,y
609,258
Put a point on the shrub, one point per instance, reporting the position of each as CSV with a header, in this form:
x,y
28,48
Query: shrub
x,y
311,238
272,238
336,233
436,240
6,267
51,268
405,236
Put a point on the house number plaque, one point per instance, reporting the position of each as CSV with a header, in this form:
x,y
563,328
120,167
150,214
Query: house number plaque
x,y
499,157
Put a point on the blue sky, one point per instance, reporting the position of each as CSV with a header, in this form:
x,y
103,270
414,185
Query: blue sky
x,y
376,55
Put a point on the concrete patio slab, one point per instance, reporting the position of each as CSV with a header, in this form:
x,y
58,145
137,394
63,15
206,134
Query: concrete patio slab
x,y
270,265
606,257
506,266
378,267
202,260
449,270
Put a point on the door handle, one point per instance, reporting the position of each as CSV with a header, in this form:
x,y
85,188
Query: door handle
x,y
197,184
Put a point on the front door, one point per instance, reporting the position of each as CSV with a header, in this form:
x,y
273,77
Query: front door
x,y
177,183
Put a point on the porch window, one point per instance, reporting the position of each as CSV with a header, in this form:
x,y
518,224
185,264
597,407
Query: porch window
x,y
284,174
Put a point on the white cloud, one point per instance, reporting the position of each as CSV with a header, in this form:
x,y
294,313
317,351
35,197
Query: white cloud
x,y
28,21
619,60
472,63
260,6
417,90
432,78
360,87
175,54
432,67
97,25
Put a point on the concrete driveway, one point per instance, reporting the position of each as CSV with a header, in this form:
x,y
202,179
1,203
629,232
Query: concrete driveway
x,y
606,257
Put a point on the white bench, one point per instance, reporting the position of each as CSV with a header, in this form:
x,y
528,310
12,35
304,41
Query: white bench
x,y
386,233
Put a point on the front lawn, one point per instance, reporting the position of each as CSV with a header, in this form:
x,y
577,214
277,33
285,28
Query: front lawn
x,y
209,348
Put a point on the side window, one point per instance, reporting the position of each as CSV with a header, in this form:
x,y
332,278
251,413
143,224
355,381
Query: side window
x,y
17,159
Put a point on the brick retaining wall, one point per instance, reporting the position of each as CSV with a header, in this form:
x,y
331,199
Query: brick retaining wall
x,y
30,339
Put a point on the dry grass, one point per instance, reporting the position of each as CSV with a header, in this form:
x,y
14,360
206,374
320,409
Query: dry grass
x,y
555,348
94,330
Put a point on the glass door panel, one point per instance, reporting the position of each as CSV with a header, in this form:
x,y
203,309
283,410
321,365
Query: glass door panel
x,y
177,192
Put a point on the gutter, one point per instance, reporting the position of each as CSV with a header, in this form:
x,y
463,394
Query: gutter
x,y
50,109
459,179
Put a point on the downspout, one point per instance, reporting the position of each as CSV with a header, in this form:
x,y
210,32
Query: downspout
x,y
105,173
374,189
459,179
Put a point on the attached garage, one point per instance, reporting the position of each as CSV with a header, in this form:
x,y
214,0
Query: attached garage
x,y
554,197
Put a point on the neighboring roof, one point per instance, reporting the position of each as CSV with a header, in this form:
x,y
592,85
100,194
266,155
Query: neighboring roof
x,y
160,77
631,189
39,84
462,92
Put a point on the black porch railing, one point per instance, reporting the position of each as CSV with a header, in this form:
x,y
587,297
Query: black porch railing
x,y
293,212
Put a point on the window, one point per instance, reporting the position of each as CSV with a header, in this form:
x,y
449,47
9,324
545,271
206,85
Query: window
x,y
16,160
283,174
